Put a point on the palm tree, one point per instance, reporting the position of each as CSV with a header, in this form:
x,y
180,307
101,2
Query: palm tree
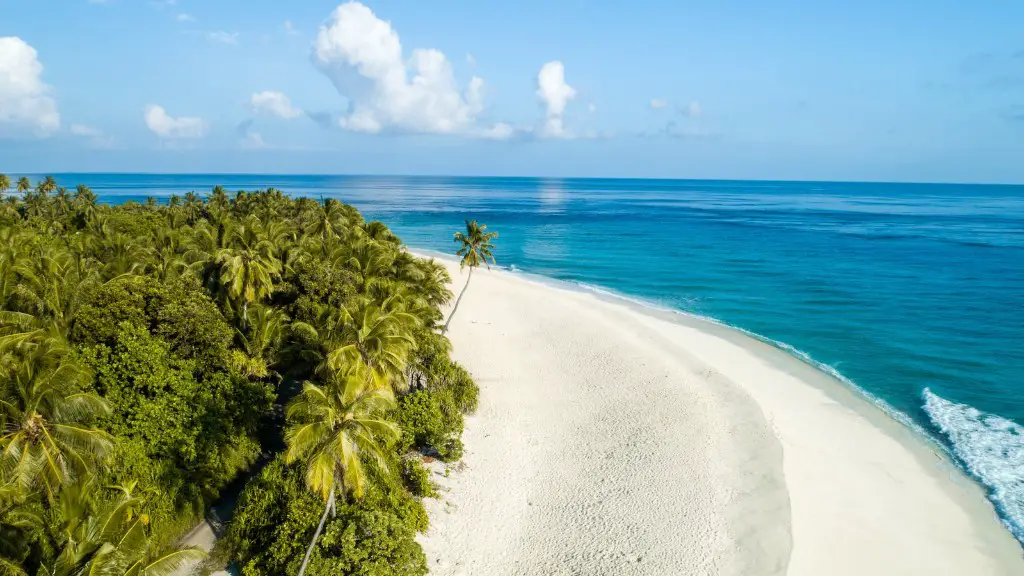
x,y
47,185
475,249
375,342
218,198
193,207
15,521
46,439
330,222
52,285
262,339
5,185
84,202
247,271
110,536
24,185
62,200
334,429
379,231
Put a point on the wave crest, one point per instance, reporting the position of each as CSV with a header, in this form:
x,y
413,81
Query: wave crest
x,y
991,448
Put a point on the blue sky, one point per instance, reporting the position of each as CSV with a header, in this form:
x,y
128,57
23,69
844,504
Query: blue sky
x,y
913,90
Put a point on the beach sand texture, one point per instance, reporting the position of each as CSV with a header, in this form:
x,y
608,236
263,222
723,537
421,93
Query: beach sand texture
x,y
613,441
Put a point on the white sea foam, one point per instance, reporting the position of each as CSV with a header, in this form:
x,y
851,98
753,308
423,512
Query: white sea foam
x,y
991,448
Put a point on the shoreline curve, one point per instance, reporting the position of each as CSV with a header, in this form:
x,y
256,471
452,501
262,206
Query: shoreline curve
x,y
618,440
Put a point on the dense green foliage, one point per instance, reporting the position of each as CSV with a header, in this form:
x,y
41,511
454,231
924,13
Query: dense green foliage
x,y
151,354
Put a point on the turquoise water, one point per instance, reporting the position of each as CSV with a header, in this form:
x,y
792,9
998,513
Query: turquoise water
x,y
912,292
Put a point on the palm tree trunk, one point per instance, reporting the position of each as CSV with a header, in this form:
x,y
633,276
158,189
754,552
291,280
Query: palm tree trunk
x,y
316,535
461,294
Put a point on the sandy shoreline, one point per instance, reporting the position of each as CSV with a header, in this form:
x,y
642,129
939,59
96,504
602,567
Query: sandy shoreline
x,y
613,441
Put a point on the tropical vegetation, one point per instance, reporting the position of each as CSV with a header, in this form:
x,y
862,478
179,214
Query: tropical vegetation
x,y
156,356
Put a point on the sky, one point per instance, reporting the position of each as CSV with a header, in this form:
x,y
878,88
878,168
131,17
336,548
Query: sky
x,y
927,91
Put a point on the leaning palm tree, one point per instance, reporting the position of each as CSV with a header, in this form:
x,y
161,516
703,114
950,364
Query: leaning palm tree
x,y
24,185
333,429
475,248
5,184
46,439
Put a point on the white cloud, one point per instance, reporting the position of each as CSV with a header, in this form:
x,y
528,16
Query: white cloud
x,y
166,126
591,108
223,37
471,60
274,103
362,55
556,94
87,131
96,136
289,28
691,109
183,17
500,131
658,103
26,102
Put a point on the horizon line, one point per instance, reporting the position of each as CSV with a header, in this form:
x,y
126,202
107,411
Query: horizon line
x,y
505,177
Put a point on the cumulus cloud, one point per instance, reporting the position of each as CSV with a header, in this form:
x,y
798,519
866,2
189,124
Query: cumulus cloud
x,y
26,102
183,17
223,37
275,104
387,92
658,103
166,126
556,93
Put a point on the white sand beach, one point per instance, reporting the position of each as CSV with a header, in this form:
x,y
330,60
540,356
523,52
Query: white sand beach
x,y
614,441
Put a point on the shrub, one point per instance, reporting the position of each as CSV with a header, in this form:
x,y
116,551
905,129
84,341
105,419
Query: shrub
x,y
416,477
426,426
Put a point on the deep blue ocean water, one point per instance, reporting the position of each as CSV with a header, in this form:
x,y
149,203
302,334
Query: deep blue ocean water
x,y
912,292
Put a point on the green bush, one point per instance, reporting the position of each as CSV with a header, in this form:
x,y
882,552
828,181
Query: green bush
x,y
426,425
274,519
416,477
185,436
179,312
367,542
277,515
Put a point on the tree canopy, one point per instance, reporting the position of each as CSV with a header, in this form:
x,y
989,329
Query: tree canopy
x,y
152,354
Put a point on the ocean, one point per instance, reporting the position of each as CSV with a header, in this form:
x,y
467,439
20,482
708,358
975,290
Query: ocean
x,y
911,293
